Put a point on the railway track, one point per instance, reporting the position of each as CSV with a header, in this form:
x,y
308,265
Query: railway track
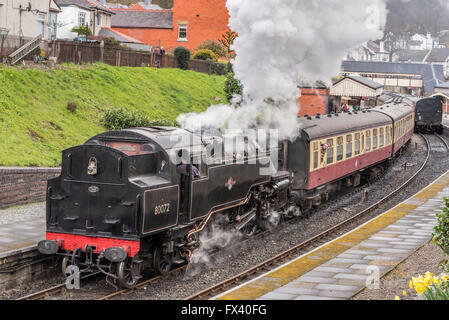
x,y
58,289
253,271
293,252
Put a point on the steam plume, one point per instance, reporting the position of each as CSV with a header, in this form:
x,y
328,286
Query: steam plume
x,y
284,43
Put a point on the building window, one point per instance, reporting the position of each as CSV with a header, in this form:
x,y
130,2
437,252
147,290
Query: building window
x,y
41,21
98,18
82,19
182,34
52,26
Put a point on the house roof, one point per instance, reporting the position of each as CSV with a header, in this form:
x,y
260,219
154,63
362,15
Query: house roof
x,y
157,19
362,80
117,35
411,55
373,46
432,74
438,55
85,4
443,85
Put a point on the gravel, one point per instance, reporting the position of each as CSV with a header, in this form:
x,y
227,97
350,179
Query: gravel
x,y
232,262
240,257
22,213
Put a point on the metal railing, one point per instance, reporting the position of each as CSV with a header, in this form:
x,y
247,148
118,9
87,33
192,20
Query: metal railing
x,y
24,50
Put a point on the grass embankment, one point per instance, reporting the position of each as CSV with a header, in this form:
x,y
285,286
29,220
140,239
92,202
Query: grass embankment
x,y
35,124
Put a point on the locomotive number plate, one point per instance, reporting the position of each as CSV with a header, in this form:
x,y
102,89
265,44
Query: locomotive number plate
x,y
161,209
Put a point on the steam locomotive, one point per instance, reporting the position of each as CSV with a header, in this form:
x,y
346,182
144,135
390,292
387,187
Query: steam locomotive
x,y
429,115
138,198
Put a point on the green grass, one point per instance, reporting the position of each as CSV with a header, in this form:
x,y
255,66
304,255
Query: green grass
x,y
35,125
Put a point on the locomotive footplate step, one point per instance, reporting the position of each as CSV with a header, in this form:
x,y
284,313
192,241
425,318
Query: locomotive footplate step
x,y
357,260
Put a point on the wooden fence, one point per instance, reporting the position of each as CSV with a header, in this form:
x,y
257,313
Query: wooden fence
x,y
90,52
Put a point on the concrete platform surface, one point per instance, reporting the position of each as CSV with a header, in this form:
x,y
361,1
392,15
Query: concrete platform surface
x,y
343,267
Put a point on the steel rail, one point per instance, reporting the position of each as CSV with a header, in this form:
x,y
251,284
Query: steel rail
x,y
265,266
53,290
118,294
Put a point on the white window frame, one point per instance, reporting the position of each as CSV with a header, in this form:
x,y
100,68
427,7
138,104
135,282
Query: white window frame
x,y
180,26
41,20
80,14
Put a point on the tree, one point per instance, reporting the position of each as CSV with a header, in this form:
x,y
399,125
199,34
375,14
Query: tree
x,y
227,39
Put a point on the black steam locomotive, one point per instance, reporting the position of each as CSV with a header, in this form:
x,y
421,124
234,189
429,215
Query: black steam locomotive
x,y
138,198
429,115
122,203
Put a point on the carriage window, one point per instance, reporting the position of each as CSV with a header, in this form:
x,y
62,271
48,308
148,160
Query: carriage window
x,y
330,151
357,144
375,138
349,146
315,155
339,148
381,138
368,140
388,135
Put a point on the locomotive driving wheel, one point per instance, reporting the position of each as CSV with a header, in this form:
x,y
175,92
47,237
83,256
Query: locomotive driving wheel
x,y
128,273
162,263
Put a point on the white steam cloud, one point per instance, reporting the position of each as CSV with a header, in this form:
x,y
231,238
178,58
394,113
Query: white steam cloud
x,y
284,43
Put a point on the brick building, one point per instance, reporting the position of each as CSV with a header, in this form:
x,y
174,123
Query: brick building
x,y
188,24
313,101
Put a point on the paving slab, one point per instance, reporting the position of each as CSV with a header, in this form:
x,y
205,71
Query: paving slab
x,y
340,271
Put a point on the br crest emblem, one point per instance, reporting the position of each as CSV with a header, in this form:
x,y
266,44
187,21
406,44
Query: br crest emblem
x,y
230,183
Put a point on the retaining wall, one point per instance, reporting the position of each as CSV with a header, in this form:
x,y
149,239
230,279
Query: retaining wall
x,y
24,185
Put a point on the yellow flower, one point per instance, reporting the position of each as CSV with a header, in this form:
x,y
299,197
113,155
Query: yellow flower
x,y
436,280
444,277
404,293
411,284
397,298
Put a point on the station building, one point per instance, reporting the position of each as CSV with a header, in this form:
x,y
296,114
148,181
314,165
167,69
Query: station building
x,y
355,91
419,79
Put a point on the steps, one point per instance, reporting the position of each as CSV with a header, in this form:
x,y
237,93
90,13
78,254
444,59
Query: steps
x,y
24,50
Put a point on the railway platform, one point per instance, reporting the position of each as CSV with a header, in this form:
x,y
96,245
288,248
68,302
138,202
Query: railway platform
x,y
21,227
342,268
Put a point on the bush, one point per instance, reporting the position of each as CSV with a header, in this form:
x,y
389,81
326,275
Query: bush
x,y
82,30
219,68
117,119
441,235
111,42
232,86
205,54
182,55
214,46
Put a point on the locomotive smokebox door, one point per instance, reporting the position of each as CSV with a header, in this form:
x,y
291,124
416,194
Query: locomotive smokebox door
x,y
161,208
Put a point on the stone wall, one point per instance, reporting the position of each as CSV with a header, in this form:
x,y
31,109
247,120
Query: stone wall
x,y
24,185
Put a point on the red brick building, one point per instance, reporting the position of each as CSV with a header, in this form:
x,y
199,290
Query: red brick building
x,y
313,101
188,24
